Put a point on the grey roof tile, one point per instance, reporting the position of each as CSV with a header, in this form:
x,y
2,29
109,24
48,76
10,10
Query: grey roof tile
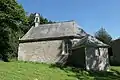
x,y
60,29
89,41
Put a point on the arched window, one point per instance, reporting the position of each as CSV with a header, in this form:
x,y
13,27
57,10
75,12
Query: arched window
x,y
66,47
37,20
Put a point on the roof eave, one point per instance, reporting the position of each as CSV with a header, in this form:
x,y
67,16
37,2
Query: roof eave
x,y
50,38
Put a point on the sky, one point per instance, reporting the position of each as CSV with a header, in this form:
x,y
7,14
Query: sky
x,y
91,15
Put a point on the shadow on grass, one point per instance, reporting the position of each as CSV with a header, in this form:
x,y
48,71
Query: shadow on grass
x,y
81,74
94,75
106,75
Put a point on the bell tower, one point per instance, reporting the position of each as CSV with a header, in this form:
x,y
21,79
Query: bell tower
x,y
37,19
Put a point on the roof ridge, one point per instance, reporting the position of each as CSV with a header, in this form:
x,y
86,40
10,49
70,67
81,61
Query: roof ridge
x,y
57,22
66,21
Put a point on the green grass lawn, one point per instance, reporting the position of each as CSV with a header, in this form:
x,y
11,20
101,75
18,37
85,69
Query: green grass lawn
x,y
37,71
31,71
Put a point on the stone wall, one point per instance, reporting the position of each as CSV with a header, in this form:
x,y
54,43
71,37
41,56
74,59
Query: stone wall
x,y
44,51
97,59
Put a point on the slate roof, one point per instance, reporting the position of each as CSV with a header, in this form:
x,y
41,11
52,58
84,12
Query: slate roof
x,y
68,28
89,41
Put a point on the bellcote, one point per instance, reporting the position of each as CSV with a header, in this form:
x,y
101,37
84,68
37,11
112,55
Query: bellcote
x,y
37,19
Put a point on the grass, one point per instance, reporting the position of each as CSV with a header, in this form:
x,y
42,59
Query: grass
x,y
31,71
38,71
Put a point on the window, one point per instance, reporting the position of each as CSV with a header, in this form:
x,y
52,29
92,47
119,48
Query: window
x,y
63,48
97,52
110,51
37,20
66,46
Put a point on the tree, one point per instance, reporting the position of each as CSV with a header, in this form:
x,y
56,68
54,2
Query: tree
x,y
30,22
103,36
14,23
24,27
43,20
11,15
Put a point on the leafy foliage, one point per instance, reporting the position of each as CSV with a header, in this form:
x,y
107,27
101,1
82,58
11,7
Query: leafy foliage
x,y
103,36
11,15
30,22
14,23
43,20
